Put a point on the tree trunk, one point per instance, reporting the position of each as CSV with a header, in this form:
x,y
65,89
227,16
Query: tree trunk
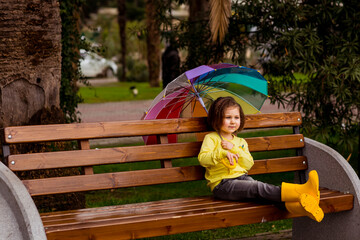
x,y
153,43
198,14
30,59
122,29
198,10
30,77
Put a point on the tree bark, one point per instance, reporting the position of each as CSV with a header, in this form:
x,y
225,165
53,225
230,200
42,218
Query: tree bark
x,y
30,59
153,43
122,29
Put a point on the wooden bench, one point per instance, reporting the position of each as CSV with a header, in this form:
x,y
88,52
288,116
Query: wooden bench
x,y
170,216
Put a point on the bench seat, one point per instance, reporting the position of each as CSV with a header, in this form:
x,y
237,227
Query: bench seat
x,y
172,216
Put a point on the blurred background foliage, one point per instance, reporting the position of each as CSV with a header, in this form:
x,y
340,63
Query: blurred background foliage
x,y
308,50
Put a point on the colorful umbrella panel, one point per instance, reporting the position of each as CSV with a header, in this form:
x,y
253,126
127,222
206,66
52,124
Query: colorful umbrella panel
x,y
191,94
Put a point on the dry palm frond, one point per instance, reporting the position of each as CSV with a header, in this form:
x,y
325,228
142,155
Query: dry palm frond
x,y
219,19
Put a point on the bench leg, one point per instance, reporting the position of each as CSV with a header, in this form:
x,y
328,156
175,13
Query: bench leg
x,y
334,173
19,218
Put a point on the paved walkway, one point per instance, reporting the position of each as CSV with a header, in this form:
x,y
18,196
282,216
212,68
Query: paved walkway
x,y
113,111
129,110
133,110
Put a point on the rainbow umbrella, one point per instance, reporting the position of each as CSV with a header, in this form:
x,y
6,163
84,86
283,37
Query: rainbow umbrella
x,y
191,94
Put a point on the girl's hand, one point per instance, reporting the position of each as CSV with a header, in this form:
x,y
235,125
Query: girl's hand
x,y
231,156
226,145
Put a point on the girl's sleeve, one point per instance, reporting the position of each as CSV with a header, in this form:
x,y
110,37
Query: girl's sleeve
x,y
246,161
210,154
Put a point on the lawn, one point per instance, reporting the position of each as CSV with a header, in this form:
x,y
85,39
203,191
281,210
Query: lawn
x,y
118,91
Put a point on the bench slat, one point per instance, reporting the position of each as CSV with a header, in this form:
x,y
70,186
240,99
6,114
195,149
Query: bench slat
x,y
258,144
138,153
271,120
102,156
72,216
148,177
178,219
78,131
277,165
112,180
186,205
58,217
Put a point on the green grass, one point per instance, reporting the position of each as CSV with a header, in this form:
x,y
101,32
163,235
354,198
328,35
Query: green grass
x,y
191,189
119,91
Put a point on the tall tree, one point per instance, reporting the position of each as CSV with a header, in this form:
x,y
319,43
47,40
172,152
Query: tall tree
x,y
153,42
122,29
197,29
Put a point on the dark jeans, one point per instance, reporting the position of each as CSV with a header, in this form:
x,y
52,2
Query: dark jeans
x,y
246,188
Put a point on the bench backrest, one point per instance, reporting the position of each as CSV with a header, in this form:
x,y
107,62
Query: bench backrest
x,y
86,157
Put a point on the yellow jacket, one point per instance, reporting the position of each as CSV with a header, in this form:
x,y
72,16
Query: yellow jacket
x,y
211,154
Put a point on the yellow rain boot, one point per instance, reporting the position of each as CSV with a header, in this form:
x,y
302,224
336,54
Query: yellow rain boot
x,y
291,192
307,206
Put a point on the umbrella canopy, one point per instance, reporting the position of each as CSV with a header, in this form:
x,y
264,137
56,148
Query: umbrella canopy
x,y
191,94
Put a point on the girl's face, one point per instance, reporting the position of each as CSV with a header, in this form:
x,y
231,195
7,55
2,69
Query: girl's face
x,y
231,121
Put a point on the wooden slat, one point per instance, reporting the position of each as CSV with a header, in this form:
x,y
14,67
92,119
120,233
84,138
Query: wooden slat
x,y
51,218
277,165
78,131
131,211
147,177
177,220
270,120
257,144
112,180
140,210
54,218
102,156
137,153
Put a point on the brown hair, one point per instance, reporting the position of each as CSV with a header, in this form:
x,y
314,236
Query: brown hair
x,y
217,111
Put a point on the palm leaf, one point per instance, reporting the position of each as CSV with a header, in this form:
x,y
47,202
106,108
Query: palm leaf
x,y
220,11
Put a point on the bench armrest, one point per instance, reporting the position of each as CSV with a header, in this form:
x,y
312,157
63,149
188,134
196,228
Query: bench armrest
x,y
17,209
337,174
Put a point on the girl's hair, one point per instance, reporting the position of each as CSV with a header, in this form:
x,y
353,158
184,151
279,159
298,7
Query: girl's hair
x,y
217,112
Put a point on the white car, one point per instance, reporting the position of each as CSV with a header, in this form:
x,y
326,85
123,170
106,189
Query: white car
x,y
93,65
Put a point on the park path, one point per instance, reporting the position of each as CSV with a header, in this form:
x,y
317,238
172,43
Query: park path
x,y
130,110
134,110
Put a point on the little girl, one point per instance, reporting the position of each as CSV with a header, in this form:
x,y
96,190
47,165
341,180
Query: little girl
x,y
227,160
